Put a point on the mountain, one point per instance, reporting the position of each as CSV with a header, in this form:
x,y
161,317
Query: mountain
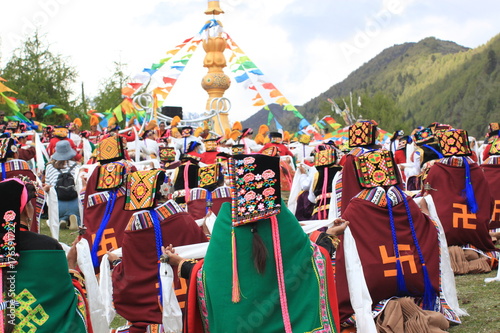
x,y
432,80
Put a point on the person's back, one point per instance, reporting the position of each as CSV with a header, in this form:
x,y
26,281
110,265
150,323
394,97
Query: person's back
x,y
48,299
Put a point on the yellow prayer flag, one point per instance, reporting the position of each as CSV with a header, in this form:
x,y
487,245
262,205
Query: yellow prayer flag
x,y
259,103
282,100
275,93
4,88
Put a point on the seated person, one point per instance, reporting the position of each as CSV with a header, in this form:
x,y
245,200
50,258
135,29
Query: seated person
x,y
50,298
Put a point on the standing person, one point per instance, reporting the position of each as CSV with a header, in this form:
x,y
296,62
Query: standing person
x,y
62,163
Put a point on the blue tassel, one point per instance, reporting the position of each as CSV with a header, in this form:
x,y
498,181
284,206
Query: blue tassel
x,y
159,243
429,299
98,236
4,173
469,190
401,284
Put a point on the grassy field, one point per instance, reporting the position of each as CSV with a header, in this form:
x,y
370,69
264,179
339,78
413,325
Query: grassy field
x,y
481,300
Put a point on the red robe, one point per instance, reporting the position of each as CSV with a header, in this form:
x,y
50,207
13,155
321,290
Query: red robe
x,y
492,175
94,214
135,280
461,227
374,243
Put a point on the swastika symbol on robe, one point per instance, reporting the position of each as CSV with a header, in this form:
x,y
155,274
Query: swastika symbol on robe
x,y
496,211
463,216
107,243
410,259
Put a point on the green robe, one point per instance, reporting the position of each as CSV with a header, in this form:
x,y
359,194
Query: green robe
x,y
48,300
310,288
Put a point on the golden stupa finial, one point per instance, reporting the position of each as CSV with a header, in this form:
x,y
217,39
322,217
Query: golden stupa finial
x,y
213,8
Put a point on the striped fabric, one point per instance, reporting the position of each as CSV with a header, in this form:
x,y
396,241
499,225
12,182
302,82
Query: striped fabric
x,y
378,196
492,160
103,197
143,219
15,165
51,173
201,193
455,161
221,192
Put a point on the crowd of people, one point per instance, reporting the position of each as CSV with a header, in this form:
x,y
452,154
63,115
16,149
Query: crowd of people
x,y
183,230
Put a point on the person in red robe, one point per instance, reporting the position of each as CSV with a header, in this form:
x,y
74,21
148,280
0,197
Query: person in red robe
x,y
136,285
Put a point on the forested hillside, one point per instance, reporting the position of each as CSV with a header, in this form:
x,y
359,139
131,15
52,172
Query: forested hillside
x,y
417,83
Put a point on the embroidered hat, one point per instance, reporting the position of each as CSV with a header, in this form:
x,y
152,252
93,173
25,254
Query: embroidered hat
x,y
110,176
376,168
210,144
424,136
142,189
60,132
362,133
64,152
237,149
167,154
493,131
110,149
276,137
12,125
246,132
7,148
324,155
495,147
454,142
255,182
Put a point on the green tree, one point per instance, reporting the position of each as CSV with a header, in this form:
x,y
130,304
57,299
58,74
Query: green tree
x,y
40,76
491,64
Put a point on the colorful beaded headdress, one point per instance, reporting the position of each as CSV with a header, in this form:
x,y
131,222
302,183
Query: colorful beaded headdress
x,y
362,133
12,125
376,168
454,142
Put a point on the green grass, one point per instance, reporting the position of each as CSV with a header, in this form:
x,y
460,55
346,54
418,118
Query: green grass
x,y
481,300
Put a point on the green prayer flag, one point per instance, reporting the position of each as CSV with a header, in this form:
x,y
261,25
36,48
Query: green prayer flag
x,y
118,113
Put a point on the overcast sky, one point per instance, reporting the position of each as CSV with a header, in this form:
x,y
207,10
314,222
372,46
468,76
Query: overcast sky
x,y
303,47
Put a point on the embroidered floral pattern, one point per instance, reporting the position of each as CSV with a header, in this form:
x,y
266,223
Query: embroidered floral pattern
x,y
255,184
